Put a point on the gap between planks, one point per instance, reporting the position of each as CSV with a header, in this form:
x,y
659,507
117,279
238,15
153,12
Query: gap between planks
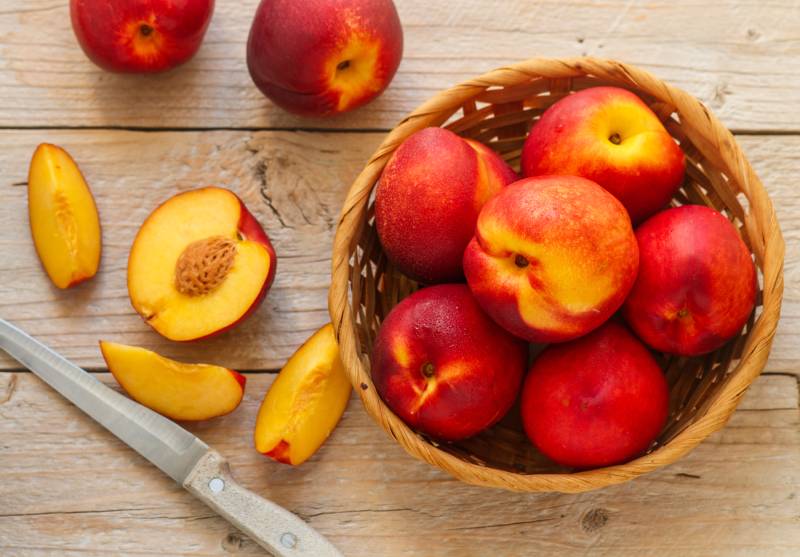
x,y
310,129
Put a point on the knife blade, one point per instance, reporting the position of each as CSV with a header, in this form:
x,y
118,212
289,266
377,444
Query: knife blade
x,y
175,451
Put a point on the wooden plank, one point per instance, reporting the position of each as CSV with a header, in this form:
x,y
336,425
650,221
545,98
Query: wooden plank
x,y
294,183
742,57
70,488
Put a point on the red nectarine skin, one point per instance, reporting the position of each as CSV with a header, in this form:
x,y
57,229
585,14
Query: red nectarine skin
x,y
443,366
608,135
322,57
595,401
428,199
553,257
140,36
697,283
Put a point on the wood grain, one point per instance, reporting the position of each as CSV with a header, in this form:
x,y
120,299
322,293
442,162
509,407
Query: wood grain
x,y
741,57
294,182
70,488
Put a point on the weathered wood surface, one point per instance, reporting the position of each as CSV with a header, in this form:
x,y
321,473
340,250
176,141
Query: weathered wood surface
x,y
70,488
742,57
294,182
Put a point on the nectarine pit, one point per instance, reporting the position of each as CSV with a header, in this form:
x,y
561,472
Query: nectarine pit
x,y
203,265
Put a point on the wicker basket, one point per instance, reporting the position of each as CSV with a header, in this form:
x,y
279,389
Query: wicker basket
x,y
498,109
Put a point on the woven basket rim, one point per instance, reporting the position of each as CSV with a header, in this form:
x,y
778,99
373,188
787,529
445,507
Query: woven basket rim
x,y
710,137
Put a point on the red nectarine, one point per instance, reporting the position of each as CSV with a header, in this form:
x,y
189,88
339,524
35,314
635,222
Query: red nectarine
x,y
428,199
140,35
323,57
595,401
552,258
443,366
696,285
608,135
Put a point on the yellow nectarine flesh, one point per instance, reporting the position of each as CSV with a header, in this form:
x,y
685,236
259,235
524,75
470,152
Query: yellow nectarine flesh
x,y
353,71
177,390
305,402
193,271
63,217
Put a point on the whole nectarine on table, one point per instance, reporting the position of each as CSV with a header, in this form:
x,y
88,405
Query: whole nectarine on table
x,y
140,36
324,57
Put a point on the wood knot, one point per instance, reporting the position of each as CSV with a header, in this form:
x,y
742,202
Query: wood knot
x,y
233,543
594,520
203,265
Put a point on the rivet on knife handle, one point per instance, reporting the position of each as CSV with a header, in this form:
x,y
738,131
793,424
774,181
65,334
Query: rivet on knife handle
x,y
268,524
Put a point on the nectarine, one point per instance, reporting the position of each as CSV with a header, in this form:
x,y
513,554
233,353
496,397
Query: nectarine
x,y
595,401
199,265
63,217
443,366
324,57
305,402
553,257
696,285
140,35
176,390
608,135
428,199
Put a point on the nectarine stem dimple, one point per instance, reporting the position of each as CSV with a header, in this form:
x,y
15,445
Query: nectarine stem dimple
x,y
521,262
203,265
683,312
428,369
615,139
145,29
343,65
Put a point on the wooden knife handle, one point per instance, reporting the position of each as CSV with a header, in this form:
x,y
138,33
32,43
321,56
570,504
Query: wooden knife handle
x,y
270,525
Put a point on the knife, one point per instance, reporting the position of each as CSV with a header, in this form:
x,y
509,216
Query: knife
x,y
178,453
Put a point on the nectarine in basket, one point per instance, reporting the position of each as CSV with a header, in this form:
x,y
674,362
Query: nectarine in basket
x,y
700,164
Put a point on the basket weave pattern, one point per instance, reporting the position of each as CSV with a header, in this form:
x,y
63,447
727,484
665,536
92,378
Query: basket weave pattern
x,y
498,109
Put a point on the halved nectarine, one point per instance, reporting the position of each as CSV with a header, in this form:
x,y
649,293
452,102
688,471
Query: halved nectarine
x,y
305,401
199,265
177,390
63,217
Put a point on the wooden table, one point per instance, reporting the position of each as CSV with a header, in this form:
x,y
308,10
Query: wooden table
x,y
67,487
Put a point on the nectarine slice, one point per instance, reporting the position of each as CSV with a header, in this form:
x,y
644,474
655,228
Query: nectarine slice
x,y
305,402
177,390
199,265
63,217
